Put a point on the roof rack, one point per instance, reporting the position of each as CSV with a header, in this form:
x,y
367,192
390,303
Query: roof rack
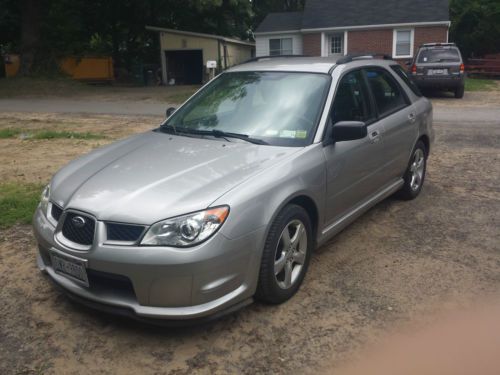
x,y
258,58
363,56
438,45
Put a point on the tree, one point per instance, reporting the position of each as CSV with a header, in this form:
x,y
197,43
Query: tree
x,y
30,33
475,26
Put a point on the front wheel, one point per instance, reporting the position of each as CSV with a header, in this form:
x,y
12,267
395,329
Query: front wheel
x,y
415,174
286,255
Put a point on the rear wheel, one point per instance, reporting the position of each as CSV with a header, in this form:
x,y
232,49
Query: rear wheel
x,y
286,255
415,174
459,92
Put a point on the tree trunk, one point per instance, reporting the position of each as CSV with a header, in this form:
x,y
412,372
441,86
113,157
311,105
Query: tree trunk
x,y
30,34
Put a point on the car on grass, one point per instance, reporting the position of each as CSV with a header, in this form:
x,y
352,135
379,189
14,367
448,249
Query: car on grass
x,y
226,201
439,66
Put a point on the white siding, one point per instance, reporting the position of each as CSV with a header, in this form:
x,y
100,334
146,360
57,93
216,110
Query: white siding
x,y
262,43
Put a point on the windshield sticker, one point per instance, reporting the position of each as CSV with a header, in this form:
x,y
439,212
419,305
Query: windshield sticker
x,y
287,134
271,133
302,134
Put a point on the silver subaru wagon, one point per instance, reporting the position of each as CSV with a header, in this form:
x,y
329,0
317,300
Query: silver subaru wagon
x,y
227,200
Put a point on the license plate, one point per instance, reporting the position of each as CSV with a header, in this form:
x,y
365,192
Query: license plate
x,y
70,267
438,71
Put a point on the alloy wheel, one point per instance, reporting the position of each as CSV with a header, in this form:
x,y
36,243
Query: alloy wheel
x,y
417,169
290,254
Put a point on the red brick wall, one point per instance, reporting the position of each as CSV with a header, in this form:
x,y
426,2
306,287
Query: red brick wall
x,y
429,35
380,41
311,44
375,41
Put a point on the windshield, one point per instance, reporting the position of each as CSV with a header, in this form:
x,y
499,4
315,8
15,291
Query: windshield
x,y
279,108
439,55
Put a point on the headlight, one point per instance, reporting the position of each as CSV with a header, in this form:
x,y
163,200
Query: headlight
x,y
44,199
187,230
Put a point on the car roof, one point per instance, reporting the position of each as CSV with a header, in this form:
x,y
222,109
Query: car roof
x,y
305,64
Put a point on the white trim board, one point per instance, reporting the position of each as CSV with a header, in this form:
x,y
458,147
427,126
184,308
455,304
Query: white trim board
x,y
381,26
265,33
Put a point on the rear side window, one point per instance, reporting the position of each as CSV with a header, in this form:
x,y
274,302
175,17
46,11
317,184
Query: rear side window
x,y
385,90
404,76
352,101
436,55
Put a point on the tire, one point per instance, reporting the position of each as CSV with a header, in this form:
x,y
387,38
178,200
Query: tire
x,y
275,288
459,92
414,176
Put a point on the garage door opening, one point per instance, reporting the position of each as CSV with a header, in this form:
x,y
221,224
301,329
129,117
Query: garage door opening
x,y
185,67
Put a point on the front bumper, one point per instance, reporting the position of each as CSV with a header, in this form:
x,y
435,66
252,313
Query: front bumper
x,y
165,283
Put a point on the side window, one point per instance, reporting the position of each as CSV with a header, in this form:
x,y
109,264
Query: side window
x,y
385,90
352,102
404,76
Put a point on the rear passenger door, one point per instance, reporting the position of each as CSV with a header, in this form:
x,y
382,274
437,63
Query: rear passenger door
x,y
396,120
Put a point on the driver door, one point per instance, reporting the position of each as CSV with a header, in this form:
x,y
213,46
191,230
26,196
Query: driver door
x,y
353,166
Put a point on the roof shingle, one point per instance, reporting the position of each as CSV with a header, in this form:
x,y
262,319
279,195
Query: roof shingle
x,y
340,13
284,21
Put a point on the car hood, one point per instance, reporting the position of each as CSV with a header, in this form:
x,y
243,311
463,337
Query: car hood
x,y
154,176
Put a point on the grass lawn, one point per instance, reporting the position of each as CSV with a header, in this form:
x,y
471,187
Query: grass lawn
x,y
18,202
61,87
46,134
26,87
478,84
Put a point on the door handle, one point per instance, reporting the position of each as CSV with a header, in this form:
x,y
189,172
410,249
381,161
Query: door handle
x,y
374,136
412,117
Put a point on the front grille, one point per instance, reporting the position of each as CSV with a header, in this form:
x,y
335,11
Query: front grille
x,y
56,212
123,232
83,235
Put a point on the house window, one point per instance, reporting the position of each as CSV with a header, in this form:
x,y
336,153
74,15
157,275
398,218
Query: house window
x,y
403,43
280,47
336,44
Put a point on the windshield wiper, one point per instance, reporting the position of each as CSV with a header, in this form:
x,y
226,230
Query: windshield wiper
x,y
214,133
244,137
168,129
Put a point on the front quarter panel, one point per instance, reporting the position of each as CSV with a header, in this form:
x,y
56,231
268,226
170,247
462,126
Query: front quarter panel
x,y
255,203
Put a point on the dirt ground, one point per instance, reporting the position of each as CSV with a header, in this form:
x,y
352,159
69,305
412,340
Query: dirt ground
x,y
401,262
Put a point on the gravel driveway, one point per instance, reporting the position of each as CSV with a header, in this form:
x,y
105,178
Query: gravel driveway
x,y
400,262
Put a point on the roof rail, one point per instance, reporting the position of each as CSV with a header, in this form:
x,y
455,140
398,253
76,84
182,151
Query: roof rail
x,y
438,45
258,58
363,56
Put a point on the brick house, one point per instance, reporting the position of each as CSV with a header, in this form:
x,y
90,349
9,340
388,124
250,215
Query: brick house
x,y
339,27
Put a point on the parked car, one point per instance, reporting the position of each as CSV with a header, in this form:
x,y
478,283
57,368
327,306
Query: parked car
x,y
439,66
228,198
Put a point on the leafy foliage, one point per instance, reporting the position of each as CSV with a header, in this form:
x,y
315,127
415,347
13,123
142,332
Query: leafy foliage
x,y
111,27
475,26
44,30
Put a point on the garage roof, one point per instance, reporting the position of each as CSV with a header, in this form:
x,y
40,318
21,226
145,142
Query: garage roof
x,y
200,35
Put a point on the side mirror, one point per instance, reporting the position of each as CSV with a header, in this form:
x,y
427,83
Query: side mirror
x,y
170,111
408,63
349,131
